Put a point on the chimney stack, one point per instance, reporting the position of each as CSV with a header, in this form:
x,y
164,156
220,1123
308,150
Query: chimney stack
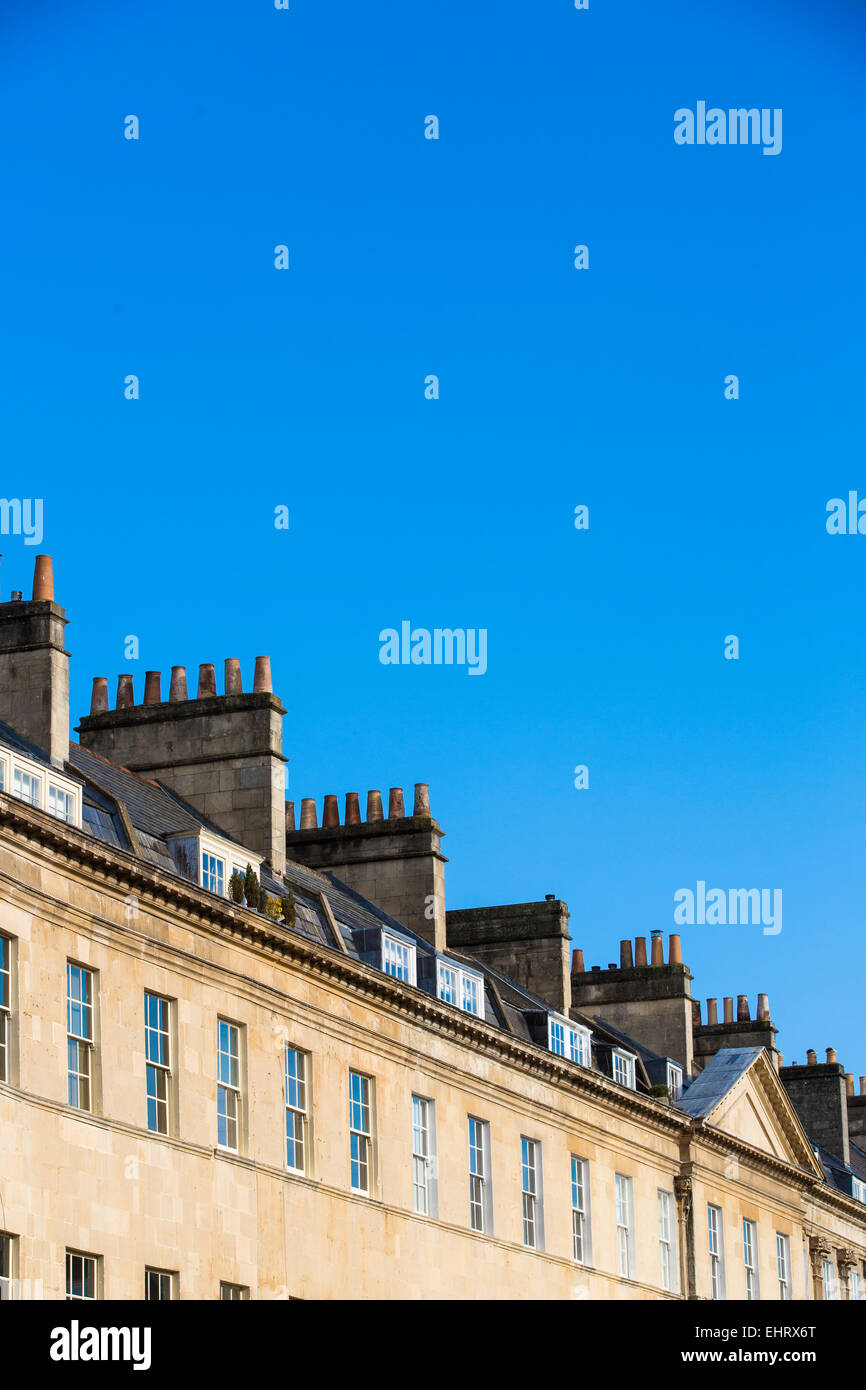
x,y
395,863
34,666
125,692
152,691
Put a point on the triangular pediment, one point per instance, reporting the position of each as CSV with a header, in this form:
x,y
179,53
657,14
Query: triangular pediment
x,y
755,1109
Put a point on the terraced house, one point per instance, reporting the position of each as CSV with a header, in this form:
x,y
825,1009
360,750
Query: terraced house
x,y
244,1058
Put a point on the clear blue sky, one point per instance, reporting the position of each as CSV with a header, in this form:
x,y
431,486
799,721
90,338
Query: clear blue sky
x,y
558,387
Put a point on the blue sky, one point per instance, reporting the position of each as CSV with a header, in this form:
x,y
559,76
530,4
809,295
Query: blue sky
x,y
558,387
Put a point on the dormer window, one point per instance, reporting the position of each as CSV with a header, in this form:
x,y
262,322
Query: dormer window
x,y
623,1069
213,872
471,994
27,786
460,988
398,959
567,1041
675,1081
61,803
858,1189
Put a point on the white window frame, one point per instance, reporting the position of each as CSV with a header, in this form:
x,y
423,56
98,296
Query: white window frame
x,y
6,949
716,1247
55,793
84,1041
828,1273
230,1108
160,1276
213,872
480,1190
668,1253
566,1040
626,1069
458,987
5,781
296,1097
156,1068
7,1266
581,1211
674,1081
398,958
531,1191
624,1191
750,1260
858,1189
783,1266
34,797
361,1133
90,1262
855,1284
424,1179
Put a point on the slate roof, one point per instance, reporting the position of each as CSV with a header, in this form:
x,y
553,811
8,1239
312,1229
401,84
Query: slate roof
x,y
715,1081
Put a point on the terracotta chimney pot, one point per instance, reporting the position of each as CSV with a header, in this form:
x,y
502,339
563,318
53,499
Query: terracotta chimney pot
x,y
43,578
728,1007
577,965
152,691
330,813
625,957
177,689
234,684
657,950
712,1011
262,677
125,693
99,695
640,950
353,809
290,817
675,955
743,1007
395,804
206,681
374,806
309,820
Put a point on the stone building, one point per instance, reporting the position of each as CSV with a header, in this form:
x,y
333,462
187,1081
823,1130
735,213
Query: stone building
x,y
241,1058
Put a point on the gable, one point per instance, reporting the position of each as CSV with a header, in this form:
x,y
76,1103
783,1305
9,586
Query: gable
x,y
757,1111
